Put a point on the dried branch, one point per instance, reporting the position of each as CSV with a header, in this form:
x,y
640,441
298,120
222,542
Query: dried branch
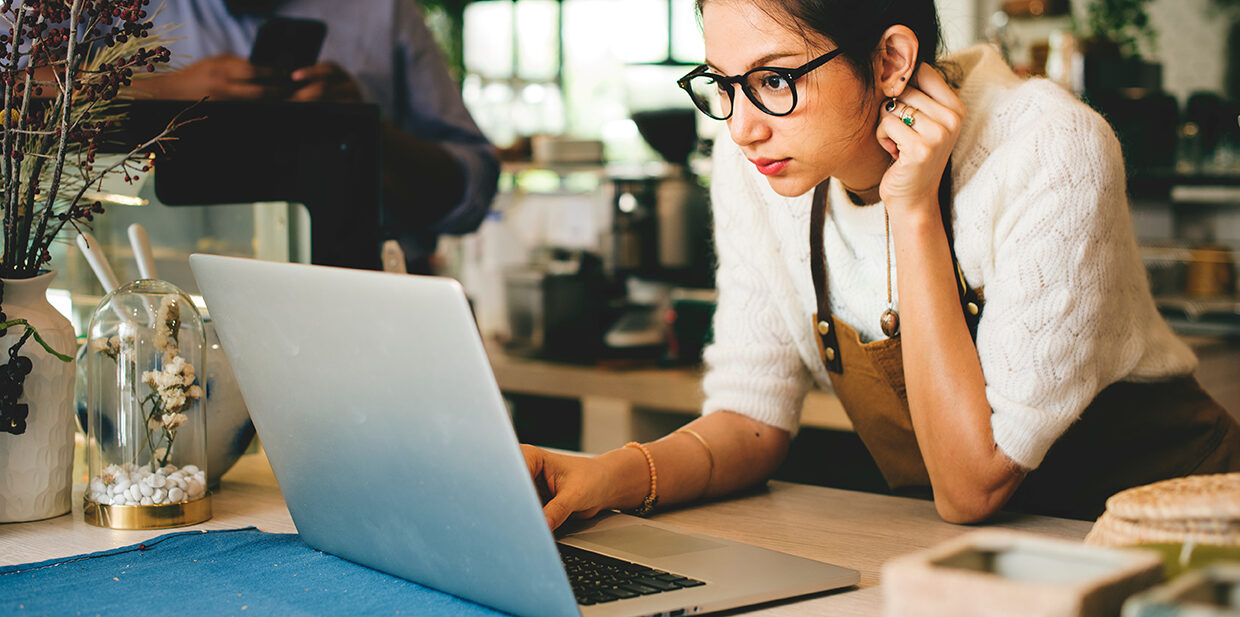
x,y
164,135
10,174
65,106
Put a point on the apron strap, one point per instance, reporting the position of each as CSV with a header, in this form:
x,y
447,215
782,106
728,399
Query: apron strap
x,y
970,301
824,323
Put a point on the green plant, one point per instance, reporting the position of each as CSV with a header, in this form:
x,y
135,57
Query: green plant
x,y
1124,25
451,35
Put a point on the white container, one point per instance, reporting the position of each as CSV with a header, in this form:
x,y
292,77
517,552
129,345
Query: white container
x,y
1000,574
549,149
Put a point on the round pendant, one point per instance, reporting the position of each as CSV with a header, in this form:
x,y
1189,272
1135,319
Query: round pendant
x,y
890,322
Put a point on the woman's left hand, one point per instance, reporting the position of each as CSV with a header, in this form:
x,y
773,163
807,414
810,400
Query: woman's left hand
x,y
919,149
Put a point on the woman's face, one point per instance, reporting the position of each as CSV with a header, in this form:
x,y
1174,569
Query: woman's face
x,y
824,135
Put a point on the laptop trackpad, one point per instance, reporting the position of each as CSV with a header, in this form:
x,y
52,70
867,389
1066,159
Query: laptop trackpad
x,y
647,541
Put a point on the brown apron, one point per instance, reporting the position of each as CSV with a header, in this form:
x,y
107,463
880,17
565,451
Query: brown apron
x,y
1130,434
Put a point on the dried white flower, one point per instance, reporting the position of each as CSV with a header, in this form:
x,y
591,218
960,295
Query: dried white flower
x,y
109,347
174,384
173,420
167,326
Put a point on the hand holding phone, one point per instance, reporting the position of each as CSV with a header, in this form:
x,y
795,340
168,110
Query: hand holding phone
x,y
325,81
284,44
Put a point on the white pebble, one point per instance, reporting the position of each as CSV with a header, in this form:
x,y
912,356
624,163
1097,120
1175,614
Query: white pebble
x,y
139,485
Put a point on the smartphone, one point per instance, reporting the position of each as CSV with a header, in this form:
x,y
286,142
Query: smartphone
x,y
285,44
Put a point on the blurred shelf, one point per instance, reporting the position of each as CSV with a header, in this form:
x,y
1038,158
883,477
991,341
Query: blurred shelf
x,y
1206,186
1202,316
615,401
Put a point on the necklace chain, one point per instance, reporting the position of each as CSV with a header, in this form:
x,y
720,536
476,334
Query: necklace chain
x,y
890,321
887,253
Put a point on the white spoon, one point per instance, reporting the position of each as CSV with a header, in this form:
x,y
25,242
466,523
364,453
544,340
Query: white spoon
x,y
141,244
94,256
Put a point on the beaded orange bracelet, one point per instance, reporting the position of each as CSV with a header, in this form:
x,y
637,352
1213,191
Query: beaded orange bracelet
x,y
651,499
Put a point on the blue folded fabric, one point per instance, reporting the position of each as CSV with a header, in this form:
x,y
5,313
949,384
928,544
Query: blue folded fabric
x,y
239,572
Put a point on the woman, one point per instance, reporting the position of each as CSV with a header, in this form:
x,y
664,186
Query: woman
x,y
1017,360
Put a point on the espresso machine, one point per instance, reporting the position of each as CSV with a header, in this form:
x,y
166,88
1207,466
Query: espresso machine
x,y
661,233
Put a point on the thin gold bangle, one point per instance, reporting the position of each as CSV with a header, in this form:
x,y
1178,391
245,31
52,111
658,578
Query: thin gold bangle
x,y
710,454
652,499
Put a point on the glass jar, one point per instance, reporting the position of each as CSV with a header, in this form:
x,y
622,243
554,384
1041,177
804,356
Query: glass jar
x,y
146,421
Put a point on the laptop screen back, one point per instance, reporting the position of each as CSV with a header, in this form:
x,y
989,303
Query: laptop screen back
x,y
374,400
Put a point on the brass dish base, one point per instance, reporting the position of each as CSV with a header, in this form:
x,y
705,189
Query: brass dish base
x,y
148,517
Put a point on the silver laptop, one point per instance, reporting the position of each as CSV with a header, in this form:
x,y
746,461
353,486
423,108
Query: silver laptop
x,y
384,426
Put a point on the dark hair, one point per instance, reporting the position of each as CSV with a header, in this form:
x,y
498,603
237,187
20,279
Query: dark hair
x,y
857,26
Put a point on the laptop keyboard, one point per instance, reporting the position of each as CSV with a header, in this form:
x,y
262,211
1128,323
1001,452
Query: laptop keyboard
x,y
598,578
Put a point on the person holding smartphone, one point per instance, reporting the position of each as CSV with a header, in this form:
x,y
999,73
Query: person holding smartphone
x,y
440,172
945,245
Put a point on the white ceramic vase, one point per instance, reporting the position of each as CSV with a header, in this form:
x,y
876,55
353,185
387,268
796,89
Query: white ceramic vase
x,y
36,467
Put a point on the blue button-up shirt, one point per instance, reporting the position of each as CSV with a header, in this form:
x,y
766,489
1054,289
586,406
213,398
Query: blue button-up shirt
x,y
387,48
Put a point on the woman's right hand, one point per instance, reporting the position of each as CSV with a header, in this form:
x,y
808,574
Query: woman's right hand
x,y
569,485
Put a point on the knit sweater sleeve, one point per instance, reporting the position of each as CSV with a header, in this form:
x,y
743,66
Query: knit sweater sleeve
x,y
1068,308
753,367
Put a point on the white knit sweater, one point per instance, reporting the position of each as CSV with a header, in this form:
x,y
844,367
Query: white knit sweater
x,y
1041,223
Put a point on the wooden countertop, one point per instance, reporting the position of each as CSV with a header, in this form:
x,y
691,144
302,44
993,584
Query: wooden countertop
x,y
846,528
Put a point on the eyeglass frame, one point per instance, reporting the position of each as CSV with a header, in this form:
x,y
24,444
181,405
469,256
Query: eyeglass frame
x,y
791,75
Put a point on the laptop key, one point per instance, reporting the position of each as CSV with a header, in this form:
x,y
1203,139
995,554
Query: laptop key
x,y
621,592
601,596
656,583
644,590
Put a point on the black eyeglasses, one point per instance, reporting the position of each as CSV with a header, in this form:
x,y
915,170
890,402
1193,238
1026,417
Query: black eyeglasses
x,y
770,88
